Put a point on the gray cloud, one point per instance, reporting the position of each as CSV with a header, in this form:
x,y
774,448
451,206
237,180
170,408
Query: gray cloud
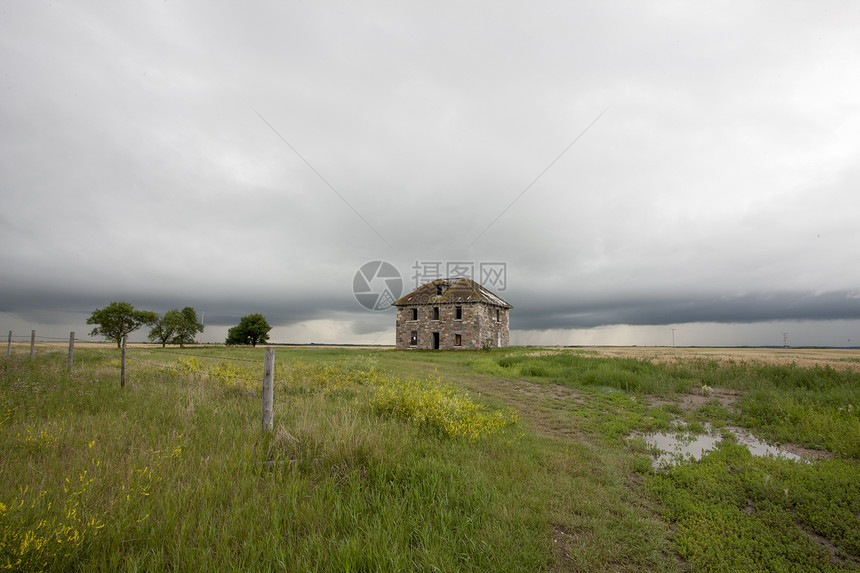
x,y
719,186
664,310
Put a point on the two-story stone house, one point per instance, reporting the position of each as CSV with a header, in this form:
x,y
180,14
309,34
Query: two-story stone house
x,y
451,314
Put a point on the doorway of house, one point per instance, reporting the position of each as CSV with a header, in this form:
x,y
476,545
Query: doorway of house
x,y
435,341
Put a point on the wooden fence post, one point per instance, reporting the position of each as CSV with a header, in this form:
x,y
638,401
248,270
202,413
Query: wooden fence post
x,y
33,345
71,350
122,365
268,383
9,345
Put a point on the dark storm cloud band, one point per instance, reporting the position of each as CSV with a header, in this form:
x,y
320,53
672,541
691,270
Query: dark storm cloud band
x,y
748,308
532,312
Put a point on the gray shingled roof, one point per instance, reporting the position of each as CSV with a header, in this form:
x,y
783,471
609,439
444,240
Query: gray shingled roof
x,y
454,291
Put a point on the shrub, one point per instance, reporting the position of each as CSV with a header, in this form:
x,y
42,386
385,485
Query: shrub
x,y
438,405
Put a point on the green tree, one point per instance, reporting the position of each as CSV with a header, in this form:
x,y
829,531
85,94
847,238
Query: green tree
x,y
176,327
188,327
118,319
165,329
250,330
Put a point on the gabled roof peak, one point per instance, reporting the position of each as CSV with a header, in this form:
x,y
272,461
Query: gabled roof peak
x,y
451,290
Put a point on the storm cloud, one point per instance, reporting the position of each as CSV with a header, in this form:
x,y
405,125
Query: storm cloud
x,y
628,163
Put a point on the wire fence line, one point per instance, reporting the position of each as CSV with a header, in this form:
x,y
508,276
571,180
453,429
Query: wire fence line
x,y
267,378
184,370
33,338
160,351
41,338
231,358
154,364
33,345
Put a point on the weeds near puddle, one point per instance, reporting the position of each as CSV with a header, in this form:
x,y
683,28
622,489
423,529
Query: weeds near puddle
x,y
731,511
736,512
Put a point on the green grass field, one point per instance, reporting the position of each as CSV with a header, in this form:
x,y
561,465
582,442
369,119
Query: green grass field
x,y
382,460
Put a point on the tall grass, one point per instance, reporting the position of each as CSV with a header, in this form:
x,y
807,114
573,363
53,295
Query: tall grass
x,y
383,461
729,511
814,407
438,405
173,472
735,512
627,374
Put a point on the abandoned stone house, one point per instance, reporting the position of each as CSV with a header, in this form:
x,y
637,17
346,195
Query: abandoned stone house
x,y
452,314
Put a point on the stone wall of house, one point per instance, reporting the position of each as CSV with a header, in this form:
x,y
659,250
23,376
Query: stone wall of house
x,y
480,323
495,327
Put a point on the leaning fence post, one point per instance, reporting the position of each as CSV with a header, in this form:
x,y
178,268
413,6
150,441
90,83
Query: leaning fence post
x,y
33,345
268,383
9,345
122,365
71,350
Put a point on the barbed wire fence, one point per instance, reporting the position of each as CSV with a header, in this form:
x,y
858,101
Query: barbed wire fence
x,y
33,339
184,368
267,378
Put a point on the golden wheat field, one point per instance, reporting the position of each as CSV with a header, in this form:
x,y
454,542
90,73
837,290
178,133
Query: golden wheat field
x,y
837,358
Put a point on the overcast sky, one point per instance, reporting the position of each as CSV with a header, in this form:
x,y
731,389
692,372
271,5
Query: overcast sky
x,y
636,166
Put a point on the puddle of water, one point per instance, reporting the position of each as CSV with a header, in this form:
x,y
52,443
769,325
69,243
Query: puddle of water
x,y
680,446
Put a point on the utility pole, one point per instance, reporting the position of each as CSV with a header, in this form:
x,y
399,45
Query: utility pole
x,y
785,340
673,337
